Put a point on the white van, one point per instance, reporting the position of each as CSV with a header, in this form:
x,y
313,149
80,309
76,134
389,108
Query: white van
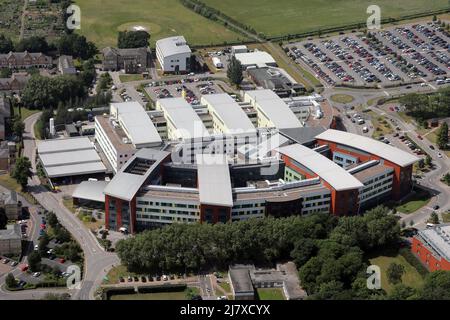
x,y
365,130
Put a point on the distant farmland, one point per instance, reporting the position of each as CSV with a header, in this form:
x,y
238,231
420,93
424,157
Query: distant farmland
x,y
102,19
281,17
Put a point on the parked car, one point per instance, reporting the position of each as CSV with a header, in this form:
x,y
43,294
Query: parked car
x,y
14,263
62,260
36,274
24,268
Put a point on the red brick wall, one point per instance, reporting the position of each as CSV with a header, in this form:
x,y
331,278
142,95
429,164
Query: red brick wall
x,y
215,212
427,258
400,187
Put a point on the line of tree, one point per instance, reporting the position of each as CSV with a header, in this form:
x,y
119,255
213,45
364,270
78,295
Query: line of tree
x,y
76,45
427,106
133,39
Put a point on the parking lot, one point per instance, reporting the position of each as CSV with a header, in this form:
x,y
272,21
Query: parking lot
x,y
194,89
413,53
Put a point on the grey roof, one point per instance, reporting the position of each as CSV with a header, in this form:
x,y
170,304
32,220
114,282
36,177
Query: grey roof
x,y
214,181
370,146
229,112
183,117
438,238
172,45
60,145
241,280
137,124
326,169
125,185
70,157
90,190
12,232
274,108
75,169
9,197
303,135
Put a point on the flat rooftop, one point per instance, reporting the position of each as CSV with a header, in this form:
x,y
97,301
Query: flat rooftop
x,y
214,182
241,280
273,107
326,169
90,190
183,117
438,238
367,173
369,145
115,135
229,112
255,58
137,124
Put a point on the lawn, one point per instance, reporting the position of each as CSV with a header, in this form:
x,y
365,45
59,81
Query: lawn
x,y
295,16
225,286
411,277
270,294
414,203
115,273
445,217
342,98
381,125
130,77
24,112
102,19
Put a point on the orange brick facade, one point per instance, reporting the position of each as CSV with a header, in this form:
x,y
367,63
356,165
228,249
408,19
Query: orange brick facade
x,y
402,181
424,254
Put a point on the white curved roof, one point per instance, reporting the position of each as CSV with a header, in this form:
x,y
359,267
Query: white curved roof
x,y
369,145
173,45
326,169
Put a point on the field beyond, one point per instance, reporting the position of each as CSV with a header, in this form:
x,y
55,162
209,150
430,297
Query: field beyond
x,y
102,19
275,18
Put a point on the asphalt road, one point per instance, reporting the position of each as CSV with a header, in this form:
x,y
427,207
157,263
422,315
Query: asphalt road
x,y
97,260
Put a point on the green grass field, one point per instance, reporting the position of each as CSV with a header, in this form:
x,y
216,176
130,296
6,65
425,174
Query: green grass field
x,y
151,296
295,16
270,294
411,277
102,19
414,203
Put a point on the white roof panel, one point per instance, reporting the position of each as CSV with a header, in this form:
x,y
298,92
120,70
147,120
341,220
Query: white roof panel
x,y
183,117
230,112
326,169
138,125
60,145
274,108
90,190
255,58
75,169
214,181
369,145
173,45
70,157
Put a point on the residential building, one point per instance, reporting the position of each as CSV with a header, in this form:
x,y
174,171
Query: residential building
x,y
15,84
25,60
132,60
65,65
11,240
173,54
9,202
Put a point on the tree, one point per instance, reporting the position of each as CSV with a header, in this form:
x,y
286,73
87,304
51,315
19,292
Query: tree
x,y
428,160
33,44
234,71
34,261
434,218
43,243
446,178
402,292
52,219
303,250
411,223
443,136
22,171
394,272
10,281
133,39
436,286
77,46
6,44
18,127
3,218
